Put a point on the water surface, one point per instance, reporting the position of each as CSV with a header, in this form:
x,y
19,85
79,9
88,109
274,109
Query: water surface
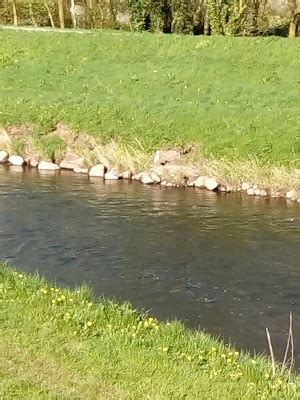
x,y
227,263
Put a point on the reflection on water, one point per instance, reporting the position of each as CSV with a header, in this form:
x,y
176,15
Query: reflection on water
x,y
227,263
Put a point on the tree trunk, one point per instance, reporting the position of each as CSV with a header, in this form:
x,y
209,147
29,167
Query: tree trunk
x,y
31,15
293,28
61,14
91,14
101,13
73,14
206,24
15,15
49,14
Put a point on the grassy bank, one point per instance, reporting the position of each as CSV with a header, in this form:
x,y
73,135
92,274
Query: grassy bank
x,y
62,344
236,98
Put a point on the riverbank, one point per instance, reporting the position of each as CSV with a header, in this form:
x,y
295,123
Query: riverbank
x,y
230,111
59,342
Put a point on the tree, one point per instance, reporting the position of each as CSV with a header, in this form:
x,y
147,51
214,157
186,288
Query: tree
x,y
293,28
15,15
49,14
61,13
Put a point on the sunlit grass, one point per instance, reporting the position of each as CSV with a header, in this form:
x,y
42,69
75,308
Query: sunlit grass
x,y
60,342
238,98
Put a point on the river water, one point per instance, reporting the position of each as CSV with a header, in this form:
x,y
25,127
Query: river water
x,y
227,263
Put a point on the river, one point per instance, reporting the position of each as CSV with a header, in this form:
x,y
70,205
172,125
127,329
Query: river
x,y
229,264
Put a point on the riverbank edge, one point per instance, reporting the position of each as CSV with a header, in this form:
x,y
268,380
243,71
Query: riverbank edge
x,y
48,317
184,167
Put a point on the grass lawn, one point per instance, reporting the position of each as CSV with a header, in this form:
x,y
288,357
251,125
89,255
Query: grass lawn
x,y
62,344
238,98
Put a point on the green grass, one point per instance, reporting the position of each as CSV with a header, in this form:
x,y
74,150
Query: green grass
x,y
63,344
238,98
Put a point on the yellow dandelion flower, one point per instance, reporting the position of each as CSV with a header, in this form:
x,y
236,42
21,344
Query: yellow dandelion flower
x,y
63,297
230,353
109,326
267,376
56,290
53,301
45,291
252,384
90,304
89,323
71,300
133,335
168,324
280,382
20,276
146,324
189,358
156,327
254,361
133,327
215,373
52,289
59,299
236,353
229,360
150,319
213,349
223,355
240,374
200,358
165,349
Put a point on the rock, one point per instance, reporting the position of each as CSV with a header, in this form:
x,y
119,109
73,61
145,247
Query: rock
x,y
298,201
127,174
112,175
190,183
163,183
48,166
263,192
255,187
250,192
97,171
292,195
200,182
277,193
155,177
138,176
164,157
147,180
16,160
229,189
246,186
211,184
79,170
256,191
4,156
71,161
33,163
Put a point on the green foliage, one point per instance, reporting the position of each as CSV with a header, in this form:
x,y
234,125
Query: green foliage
x,y
17,146
228,17
51,147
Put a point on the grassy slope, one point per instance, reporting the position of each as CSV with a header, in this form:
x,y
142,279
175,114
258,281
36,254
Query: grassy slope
x,y
57,344
238,97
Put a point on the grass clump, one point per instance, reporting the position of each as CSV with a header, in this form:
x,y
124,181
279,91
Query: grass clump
x,y
236,97
59,343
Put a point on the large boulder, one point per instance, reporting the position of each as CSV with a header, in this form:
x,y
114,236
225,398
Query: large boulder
x,y
147,180
167,156
72,161
211,184
97,171
113,174
200,182
47,166
16,160
292,195
4,156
